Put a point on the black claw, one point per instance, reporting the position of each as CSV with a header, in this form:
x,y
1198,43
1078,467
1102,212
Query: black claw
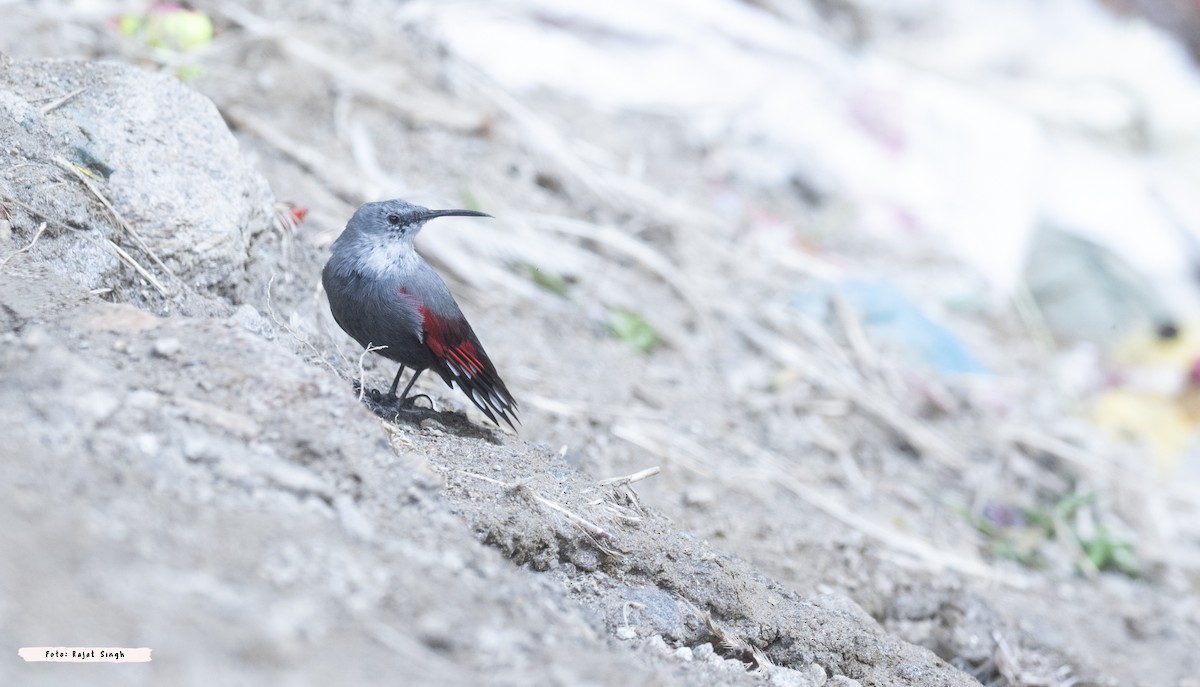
x,y
412,400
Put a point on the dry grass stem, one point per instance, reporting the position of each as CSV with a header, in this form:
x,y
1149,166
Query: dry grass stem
x,y
835,374
599,536
1031,315
1020,669
1032,439
564,408
391,638
774,470
630,479
339,180
362,373
485,478
593,530
865,357
416,105
625,612
854,474
618,511
37,213
771,469
102,242
28,247
1066,537
541,136
137,266
62,101
914,432
642,253
735,647
294,334
125,227
671,447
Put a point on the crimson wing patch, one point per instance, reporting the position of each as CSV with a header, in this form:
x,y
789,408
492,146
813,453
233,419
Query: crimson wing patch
x,y
462,360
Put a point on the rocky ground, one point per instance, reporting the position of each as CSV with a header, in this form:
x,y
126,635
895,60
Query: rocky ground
x,y
187,465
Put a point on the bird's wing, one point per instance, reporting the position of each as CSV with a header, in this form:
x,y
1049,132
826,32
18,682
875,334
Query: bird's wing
x,y
462,360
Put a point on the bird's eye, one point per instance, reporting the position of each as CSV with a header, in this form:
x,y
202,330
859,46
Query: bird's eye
x,y
393,220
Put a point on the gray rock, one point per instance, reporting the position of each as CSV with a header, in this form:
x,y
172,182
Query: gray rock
x,y
157,150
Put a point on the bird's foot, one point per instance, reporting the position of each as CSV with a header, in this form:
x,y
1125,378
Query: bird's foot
x,y
379,398
407,404
374,395
392,407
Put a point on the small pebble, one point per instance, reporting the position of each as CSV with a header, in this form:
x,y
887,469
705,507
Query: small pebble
x,y
141,399
352,518
98,403
658,645
779,676
147,443
167,347
35,337
436,631
704,652
683,653
698,496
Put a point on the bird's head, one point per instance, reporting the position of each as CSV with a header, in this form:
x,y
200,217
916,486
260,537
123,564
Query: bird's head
x,y
398,219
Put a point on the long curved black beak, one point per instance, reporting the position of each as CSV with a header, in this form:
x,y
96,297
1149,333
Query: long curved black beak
x,y
430,214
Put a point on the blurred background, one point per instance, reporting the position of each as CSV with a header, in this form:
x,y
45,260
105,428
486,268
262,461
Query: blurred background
x,y
917,279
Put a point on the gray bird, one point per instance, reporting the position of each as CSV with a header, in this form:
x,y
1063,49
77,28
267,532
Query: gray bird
x,y
382,293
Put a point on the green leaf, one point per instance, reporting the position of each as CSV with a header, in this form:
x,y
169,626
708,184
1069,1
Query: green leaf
x,y
1073,502
1107,551
470,202
630,327
549,281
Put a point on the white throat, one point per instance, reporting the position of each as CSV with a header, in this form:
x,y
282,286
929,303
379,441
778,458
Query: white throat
x,y
380,255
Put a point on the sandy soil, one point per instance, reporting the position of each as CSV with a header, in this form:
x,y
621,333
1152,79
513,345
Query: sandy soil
x,y
192,471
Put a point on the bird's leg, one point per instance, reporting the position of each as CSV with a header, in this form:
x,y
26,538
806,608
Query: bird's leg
x,y
391,394
416,373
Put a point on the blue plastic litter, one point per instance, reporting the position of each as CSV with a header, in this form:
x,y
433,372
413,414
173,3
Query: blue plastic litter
x,y
892,320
